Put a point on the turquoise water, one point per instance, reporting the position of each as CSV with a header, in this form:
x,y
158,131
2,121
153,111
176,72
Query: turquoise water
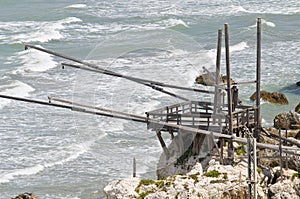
x,y
61,154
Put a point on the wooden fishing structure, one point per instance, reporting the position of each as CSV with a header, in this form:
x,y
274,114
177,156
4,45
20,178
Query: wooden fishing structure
x,y
227,122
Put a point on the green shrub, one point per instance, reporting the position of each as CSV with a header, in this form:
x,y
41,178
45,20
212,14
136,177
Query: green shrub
x,y
241,150
213,174
195,177
295,175
144,194
225,176
217,181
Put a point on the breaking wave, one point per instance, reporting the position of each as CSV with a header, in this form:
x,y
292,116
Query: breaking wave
x,y
16,88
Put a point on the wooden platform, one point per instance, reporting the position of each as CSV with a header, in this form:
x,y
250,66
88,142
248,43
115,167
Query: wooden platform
x,y
201,115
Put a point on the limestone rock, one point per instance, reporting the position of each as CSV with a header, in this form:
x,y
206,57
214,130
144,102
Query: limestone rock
x,y
275,97
183,155
297,136
208,79
122,189
288,120
284,189
297,108
26,196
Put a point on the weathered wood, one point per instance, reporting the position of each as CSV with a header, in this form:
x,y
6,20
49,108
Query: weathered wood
x,y
280,152
197,143
73,108
94,107
163,145
229,97
258,79
90,67
134,167
238,83
218,73
174,126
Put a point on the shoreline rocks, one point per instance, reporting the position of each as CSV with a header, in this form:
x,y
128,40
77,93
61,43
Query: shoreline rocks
x,y
288,120
297,108
220,181
275,97
26,196
208,79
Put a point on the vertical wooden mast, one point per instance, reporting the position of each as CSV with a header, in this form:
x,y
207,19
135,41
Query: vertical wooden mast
x,y
229,97
258,79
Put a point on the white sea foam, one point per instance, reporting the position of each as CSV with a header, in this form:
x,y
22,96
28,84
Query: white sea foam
x,y
77,149
265,22
239,47
32,61
16,88
268,23
174,22
34,31
76,6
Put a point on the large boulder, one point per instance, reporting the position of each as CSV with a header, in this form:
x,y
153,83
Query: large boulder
x,y
26,196
288,120
275,97
297,108
124,189
208,79
284,189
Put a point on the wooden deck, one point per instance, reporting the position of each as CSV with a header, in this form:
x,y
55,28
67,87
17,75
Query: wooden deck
x,y
201,115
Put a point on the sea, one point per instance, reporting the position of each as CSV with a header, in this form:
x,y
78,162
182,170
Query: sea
x,y
61,154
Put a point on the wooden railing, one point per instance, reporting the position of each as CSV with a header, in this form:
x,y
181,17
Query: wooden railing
x,y
200,115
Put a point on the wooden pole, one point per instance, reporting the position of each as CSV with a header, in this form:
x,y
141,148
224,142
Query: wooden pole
x,y
96,68
280,153
229,97
163,145
217,76
249,168
145,83
286,156
158,122
134,167
95,107
255,187
258,80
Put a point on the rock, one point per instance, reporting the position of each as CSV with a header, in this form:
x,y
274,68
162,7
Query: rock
x,y
184,154
275,97
298,83
288,120
231,182
284,189
208,79
124,189
297,108
297,136
26,196
224,79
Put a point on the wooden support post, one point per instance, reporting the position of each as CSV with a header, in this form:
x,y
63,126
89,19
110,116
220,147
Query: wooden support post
x,y
280,153
163,144
258,79
229,99
249,168
217,97
286,155
222,151
235,97
255,187
134,167
252,167
197,143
